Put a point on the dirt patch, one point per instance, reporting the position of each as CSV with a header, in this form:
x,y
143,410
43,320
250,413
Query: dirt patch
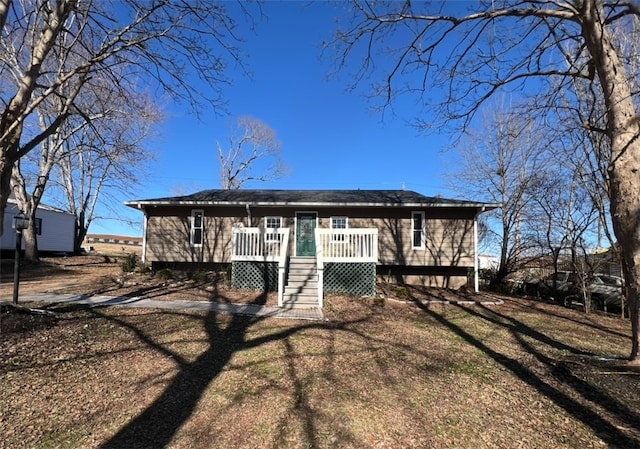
x,y
103,275
61,274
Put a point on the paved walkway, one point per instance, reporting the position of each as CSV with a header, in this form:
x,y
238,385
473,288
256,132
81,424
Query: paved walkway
x,y
123,301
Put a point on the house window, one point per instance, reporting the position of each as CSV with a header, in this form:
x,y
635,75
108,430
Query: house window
x,y
38,226
417,230
197,227
338,223
272,223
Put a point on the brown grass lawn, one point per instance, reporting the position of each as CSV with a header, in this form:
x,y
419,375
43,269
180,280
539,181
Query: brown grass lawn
x,y
393,375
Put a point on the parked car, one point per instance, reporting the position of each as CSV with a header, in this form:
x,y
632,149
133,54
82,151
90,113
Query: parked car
x,y
556,286
606,290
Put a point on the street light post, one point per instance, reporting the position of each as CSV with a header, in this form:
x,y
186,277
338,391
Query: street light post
x,y
20,223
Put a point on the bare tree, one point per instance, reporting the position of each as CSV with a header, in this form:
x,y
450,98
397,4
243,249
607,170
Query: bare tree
x,y
498,163
38,178
542,48
165,43
253,154
104,124
582,123
105,157
565,217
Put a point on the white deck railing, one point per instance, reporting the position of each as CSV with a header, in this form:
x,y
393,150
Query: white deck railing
x,y
347,245
343,245
332,245
268,245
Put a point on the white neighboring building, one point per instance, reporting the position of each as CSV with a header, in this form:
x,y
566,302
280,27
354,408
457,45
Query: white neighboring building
x,y
55,229
486,262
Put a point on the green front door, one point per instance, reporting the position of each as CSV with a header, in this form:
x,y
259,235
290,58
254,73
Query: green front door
x,y
305,233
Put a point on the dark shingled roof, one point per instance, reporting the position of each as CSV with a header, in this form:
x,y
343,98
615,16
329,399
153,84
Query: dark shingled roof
x,y
352,198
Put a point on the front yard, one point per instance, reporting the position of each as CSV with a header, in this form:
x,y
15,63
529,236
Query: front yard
x,y
377,374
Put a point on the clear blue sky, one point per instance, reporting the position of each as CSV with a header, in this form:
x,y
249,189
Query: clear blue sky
x,y
330,138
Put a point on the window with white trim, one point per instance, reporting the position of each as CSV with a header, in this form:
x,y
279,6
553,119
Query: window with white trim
x,y
272,223
196,236
339,223
417,230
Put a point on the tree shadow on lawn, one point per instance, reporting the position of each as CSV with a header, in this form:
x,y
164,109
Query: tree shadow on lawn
x,y
542,306
158,424
30,272
60,312
188,288
156,290
611,433
550,308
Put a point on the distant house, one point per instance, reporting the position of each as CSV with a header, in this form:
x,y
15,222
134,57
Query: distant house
x,y
112,239
55,229
307,242
488,262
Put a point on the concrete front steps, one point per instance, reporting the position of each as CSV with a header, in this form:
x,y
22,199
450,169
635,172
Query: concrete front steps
x,y
301,290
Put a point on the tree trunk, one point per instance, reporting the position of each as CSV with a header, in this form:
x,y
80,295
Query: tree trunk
x,y
80,234
624,169
501,274
625,208
8,150
6,168
28,206
30,242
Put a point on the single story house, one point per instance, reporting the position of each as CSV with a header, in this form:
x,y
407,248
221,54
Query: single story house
x,y
55,229
303,243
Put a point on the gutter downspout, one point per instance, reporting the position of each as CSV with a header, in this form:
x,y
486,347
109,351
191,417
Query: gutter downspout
x,y
144,234
476,281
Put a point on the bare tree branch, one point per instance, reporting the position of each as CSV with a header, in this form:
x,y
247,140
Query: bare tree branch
x,y
253,155
544,47
48,49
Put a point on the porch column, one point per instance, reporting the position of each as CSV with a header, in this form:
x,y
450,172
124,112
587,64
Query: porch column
x,y
476,284
144,238
320,264
281,270
320,286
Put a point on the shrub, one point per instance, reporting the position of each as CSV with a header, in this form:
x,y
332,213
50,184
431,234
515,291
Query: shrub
x,y
403,292
130,263
487,275
200,276
165,274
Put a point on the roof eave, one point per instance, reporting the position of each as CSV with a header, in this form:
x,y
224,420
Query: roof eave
x,y
142,204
